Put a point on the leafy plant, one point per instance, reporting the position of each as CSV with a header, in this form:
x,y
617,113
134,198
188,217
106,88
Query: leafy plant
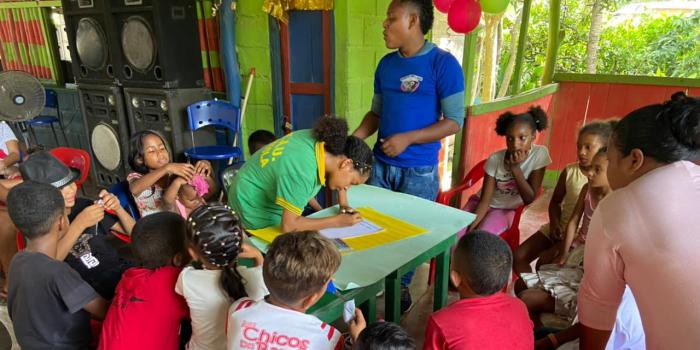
x,y
647,45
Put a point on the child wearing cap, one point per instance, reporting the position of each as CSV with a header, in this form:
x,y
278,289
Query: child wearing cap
x,y
85,246
50,305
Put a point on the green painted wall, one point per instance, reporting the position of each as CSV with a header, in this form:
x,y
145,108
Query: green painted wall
x,y
253,45
358,48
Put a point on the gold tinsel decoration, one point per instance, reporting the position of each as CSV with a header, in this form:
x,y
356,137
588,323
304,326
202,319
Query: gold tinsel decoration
x,y
279,8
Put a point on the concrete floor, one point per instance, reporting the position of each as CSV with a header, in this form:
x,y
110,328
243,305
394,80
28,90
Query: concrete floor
x,y
415,319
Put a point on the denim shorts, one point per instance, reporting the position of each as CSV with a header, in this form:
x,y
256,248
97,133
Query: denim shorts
x,y
420,181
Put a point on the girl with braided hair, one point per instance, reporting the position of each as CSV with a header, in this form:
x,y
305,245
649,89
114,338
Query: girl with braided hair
x,y
215,240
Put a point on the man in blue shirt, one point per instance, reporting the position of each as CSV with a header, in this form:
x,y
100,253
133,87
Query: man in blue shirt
x,y
418,100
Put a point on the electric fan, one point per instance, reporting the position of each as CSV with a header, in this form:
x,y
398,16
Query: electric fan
x,y
22,96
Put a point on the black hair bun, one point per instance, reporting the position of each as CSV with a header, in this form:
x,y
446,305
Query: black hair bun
x,y
332,131
683,115
540,117
535,116
503,122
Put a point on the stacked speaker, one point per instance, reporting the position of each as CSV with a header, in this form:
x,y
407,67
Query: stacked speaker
x,y
138,66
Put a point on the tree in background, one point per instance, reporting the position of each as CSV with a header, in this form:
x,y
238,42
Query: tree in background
x,y
650,45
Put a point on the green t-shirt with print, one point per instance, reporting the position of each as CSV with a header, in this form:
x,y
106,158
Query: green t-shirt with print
x,y
283,175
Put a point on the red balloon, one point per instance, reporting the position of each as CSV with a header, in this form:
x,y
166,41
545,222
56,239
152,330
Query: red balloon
x,y
443,5
464,16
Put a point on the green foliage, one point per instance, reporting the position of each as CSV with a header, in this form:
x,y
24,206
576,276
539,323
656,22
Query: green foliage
x,y
649,45
666,46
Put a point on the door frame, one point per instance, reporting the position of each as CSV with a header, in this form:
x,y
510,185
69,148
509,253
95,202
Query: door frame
x,y
288,87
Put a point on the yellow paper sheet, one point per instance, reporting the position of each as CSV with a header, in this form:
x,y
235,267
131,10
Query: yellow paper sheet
x,y
394,230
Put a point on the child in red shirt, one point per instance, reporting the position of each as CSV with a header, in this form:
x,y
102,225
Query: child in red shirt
x,y
484,318
146,312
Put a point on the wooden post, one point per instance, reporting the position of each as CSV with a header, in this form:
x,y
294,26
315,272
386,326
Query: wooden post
x,y
468,66
522,39
552,42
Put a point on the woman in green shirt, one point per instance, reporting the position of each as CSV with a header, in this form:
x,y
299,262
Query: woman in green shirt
x,y
275,184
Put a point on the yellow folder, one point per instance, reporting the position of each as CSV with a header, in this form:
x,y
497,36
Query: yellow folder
x,y
394,230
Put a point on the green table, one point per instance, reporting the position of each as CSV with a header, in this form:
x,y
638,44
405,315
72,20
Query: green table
x,y
362,273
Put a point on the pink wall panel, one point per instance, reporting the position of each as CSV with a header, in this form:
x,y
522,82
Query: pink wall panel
x,y
568,108
604,101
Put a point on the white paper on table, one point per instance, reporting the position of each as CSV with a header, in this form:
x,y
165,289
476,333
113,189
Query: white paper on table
x,y
362,228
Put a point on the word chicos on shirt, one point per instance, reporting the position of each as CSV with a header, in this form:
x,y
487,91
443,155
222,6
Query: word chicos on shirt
x,y
263,326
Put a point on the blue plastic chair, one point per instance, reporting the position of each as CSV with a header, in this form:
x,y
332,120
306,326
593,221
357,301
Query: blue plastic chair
x,y
121,190
50,120
216,113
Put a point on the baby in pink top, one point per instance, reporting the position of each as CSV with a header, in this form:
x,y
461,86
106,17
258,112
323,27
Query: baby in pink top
x,y
190,196
645,234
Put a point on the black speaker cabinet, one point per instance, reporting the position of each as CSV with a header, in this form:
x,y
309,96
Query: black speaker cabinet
x,y
159,43
107,125
90,41
165,111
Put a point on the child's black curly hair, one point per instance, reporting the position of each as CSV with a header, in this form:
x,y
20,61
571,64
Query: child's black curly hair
x,y
535,117
334,133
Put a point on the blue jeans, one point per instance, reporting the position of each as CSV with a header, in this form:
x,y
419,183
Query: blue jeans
x,y
420,181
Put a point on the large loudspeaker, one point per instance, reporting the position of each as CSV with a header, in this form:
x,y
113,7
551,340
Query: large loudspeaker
x,y
165,111
90,38
108,131
158,43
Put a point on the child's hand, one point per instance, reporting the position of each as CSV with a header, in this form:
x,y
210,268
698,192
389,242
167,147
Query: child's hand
x,y
90,216
203,167
183,170
561,255
357,325
513,159
249,252
109,201
556,231
344,220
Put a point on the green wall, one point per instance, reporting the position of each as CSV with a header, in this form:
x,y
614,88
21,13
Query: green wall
x,y
358,48
253,46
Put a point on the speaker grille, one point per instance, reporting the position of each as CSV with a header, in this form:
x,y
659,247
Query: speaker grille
x,y
105,146
91,44
138,43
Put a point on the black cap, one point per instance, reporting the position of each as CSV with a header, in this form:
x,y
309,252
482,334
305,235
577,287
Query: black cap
x,y
43,167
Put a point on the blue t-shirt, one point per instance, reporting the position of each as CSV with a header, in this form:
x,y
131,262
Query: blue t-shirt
x,y
411,93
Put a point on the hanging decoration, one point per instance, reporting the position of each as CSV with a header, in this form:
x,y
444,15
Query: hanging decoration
x,y
24,43
279,8
494,6
443,5
464,16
